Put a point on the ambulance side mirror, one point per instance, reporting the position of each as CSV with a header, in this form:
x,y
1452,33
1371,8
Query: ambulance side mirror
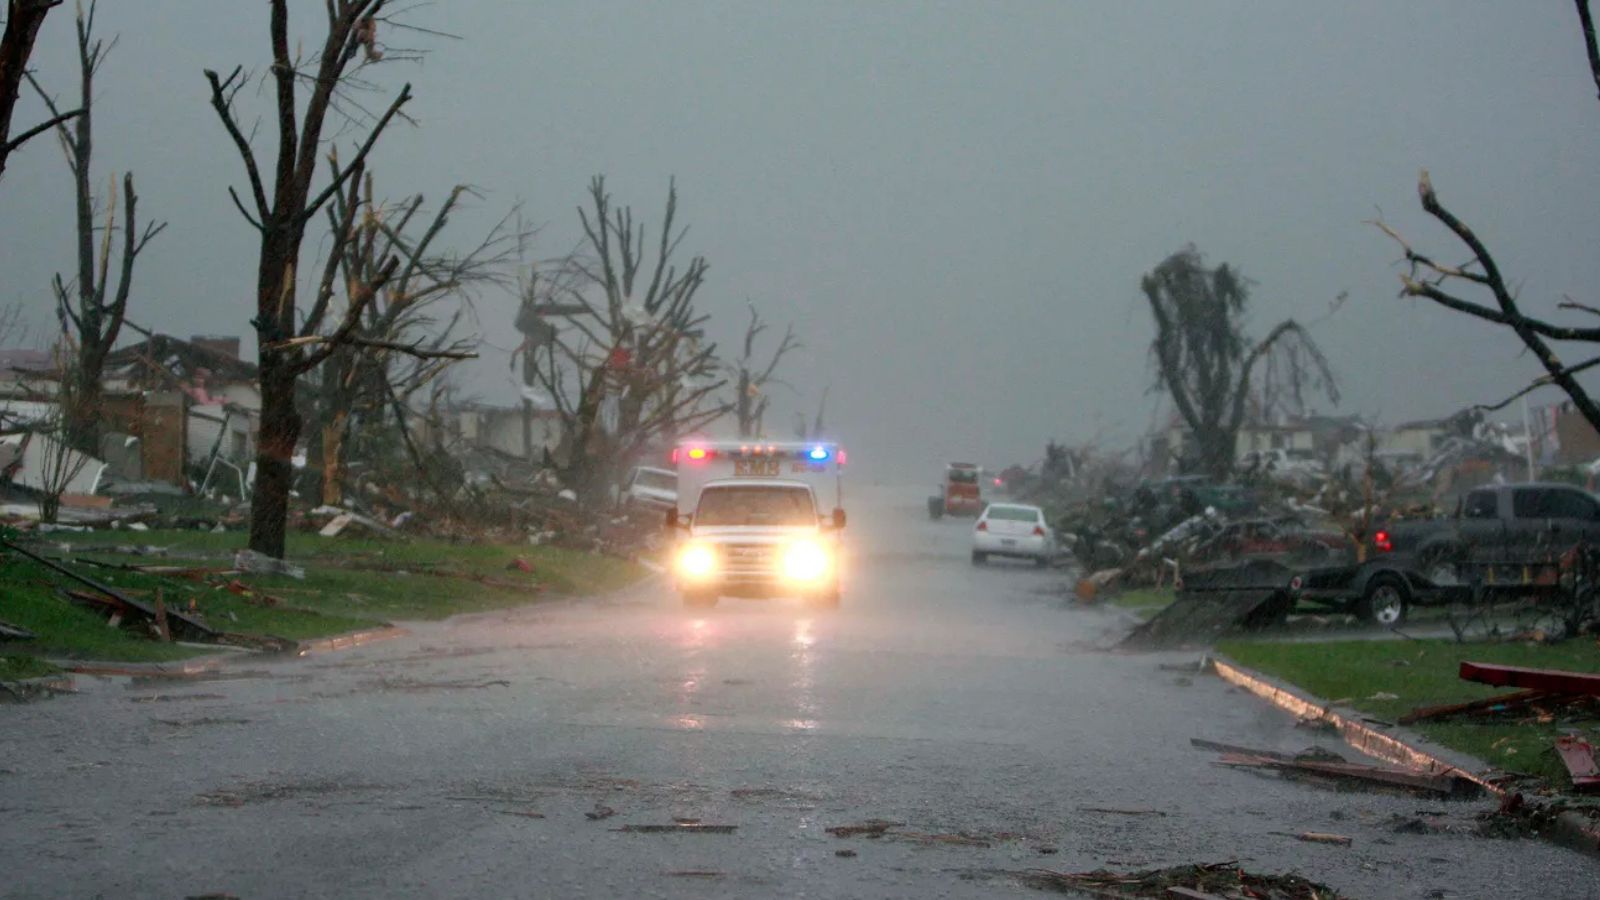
x,y
838,517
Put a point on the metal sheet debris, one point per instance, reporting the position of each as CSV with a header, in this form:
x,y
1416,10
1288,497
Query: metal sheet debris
x,y
1552,680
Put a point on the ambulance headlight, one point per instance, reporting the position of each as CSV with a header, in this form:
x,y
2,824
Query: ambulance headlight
x,y
806,562
697,561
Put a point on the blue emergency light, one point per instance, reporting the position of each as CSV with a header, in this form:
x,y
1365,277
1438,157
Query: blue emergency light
x,y
818,453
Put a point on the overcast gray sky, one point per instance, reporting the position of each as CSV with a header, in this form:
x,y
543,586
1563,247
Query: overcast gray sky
x,y
952,201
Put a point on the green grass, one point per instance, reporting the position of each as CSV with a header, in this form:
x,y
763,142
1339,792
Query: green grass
x,y
349,584
65,629
16,668
1144,602
1424,673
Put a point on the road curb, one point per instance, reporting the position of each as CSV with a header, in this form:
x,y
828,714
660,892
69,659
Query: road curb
x,y
24,690
349,640
1568,829
188,668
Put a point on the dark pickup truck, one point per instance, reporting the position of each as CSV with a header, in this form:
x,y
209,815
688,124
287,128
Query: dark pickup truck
x,y
1513,538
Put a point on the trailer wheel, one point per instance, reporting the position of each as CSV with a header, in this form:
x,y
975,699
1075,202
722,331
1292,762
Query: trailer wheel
x,y
1386,601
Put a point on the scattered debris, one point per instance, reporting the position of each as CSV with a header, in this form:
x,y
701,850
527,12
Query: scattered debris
x,y
261,792
411,685
1449,785
1578,756
1326,765
693,873
1501,703
10,632
689,828
599,812
1205,880
201,722
872,828
261,564
167,698
1214,602
1319,837
846,854
1122,812
1554,681
525,813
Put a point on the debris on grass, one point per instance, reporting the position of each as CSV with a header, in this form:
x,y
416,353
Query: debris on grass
x,y
1121,812
599,812
1223,879
262,564
1578,756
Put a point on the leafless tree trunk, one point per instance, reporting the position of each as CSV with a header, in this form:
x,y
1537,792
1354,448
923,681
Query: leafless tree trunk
x,y
282,328
91,321
400,346
632,367
751,378
1207,364
23,18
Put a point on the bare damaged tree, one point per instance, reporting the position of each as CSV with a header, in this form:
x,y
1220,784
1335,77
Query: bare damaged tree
x,y
632,367
90,308
23,18
402,344
751,378
1208,365
1426,277
289,348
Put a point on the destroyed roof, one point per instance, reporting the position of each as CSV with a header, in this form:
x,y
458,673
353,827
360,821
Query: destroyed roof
x,y
163,358
17,360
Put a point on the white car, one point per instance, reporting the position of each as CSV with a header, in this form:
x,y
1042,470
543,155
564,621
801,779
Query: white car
x,y
1014,530
651,488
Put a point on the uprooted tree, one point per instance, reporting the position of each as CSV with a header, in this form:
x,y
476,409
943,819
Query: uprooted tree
x,y
23,18
90,307
292,341
407,338
629,365
1427,277
751,377
1211,369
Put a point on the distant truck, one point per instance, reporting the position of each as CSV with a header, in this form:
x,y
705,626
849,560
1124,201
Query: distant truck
x,y
960,493
758,520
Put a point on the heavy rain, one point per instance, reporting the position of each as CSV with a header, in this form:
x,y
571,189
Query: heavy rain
x,y
908,449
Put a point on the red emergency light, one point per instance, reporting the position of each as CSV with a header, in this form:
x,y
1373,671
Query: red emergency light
x,y
1382,541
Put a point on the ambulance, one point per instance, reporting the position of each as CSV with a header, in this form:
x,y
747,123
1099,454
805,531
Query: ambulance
x,y
758,520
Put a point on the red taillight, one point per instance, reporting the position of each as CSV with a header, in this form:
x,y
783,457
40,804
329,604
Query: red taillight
x,y
983,526
1382,542
674,455
841,457
1038,531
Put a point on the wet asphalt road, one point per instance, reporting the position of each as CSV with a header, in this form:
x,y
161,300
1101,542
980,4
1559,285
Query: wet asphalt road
x,y
499,755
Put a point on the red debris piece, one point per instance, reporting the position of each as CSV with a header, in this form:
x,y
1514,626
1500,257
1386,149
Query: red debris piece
x,y
520,564
1555,681
1578,754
